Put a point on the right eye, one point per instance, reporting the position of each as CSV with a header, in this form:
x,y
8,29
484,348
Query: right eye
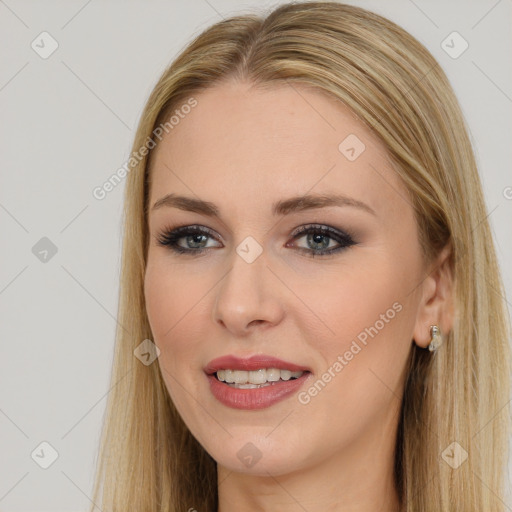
x,y
195,239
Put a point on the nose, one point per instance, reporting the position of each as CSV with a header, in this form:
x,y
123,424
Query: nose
x,y
248,296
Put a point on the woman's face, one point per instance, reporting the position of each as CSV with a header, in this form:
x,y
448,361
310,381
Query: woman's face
x,y
250,284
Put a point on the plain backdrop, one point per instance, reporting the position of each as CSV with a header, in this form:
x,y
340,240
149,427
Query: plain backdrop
x,y
67,123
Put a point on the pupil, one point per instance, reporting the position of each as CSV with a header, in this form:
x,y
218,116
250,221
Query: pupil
x,y
195,238
317,240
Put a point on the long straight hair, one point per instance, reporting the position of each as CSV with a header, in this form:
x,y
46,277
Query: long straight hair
x,y
148,459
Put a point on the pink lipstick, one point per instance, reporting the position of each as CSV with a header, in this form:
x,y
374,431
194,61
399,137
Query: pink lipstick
x,y
256,382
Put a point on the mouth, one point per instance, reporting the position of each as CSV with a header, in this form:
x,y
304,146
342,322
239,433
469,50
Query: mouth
x,y
254,383
255,379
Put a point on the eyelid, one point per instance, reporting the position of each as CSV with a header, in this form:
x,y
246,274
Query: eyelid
x,y
303,228
169,238
187,229
345,234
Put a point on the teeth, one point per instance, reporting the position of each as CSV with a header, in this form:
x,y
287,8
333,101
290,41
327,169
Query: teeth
x,y
286,374
273,374
250,386
254,377
235,376
258,376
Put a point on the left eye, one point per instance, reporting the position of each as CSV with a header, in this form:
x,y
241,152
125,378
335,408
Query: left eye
x,y
318,239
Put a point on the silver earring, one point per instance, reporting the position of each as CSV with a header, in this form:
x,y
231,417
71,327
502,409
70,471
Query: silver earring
x,y
436,338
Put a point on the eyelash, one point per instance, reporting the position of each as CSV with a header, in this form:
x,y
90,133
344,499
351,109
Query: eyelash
x,y
170,237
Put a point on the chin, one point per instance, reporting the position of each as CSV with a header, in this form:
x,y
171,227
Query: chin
x,y
258,454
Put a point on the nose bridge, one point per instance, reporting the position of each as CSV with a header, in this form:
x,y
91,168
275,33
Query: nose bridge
x,y
246,293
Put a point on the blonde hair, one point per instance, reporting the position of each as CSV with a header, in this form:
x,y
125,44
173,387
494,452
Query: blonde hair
x,y
149,461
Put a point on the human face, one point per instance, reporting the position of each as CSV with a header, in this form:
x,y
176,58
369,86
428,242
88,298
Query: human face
x,y
349,315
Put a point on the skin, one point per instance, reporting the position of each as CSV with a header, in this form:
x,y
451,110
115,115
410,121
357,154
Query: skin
x,y
244,148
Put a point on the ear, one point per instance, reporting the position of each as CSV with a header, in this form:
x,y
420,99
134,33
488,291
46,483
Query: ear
x,y
437,303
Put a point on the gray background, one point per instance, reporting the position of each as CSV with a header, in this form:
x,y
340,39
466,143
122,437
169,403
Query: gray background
x,y
67,125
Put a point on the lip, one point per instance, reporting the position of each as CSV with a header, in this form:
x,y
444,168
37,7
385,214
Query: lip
x,y
231,362
257,398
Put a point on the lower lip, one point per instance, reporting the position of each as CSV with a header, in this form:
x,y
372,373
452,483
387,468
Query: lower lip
x,y
256,398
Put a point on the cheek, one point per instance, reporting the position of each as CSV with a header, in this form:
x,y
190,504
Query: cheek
x,y
173,297
367,318
349,300
172,300
161,301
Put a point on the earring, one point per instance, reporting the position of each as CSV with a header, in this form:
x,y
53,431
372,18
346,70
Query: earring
x,y
436,338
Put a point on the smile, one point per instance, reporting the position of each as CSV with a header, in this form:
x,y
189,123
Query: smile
x,y
254,383
243,379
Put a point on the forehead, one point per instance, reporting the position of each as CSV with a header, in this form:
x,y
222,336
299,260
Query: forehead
x,y
246,145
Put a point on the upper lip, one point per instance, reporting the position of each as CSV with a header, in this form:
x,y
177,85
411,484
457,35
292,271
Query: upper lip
x,y
232,362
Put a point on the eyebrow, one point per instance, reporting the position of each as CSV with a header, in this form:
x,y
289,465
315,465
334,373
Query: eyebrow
x,y
283,207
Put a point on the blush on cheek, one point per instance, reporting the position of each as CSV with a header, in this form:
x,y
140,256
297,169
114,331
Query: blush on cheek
x,y
370,333
165,304
174,313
